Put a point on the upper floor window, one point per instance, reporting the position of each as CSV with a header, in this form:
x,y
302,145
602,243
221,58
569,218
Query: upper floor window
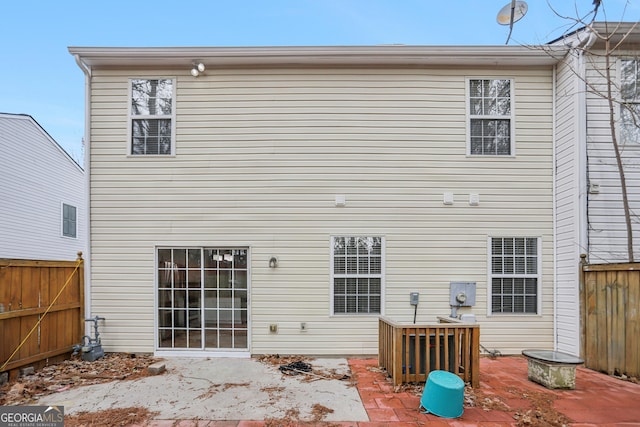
x,y
630,101
490,117
152,117
357,274
515,275
69,221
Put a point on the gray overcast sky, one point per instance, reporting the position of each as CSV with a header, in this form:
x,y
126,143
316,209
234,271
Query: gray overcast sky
x,y
40,78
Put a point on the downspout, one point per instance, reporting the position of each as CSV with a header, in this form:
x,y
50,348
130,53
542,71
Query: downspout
x,y
555,221
583,179
583,241
87,193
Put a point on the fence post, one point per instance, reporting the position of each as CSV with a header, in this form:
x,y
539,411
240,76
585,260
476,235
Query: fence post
x,y
80,272
581,305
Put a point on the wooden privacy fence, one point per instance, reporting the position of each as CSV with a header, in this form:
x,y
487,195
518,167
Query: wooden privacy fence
x,y
41,310
610,311
410,352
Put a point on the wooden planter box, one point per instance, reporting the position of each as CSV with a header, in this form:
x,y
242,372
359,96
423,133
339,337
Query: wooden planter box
x,y
410,352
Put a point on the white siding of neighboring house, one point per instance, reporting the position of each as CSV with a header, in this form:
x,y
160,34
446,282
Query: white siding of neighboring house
x,y
607,230
261,154
568,201
37,178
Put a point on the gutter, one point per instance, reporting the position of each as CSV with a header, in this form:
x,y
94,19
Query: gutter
x,y
87,194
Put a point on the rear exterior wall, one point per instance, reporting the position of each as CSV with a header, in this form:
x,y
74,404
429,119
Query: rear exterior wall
x,y
260,156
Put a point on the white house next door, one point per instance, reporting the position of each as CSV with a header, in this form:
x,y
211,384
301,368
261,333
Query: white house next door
x,y
203,299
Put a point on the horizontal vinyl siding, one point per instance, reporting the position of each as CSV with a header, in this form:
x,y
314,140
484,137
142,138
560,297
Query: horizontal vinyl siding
x,y
607,228
37,178
260,156
567,207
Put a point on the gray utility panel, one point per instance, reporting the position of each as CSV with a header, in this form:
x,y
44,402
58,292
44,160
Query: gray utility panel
x,y
462,294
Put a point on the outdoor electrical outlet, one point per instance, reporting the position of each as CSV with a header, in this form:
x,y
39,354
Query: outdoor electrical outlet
x,y
303,327
273,328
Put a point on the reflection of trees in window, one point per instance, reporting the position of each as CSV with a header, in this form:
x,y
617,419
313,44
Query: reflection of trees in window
x,y
490,116
630,101
151,105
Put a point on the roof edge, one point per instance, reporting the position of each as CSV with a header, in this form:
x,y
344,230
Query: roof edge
x,y
320,55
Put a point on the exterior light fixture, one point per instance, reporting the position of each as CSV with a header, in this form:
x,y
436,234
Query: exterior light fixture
x,y
198,67
273,262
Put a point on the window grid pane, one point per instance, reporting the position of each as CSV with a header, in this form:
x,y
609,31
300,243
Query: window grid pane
x,y
151,136
514,270
357,275
151,97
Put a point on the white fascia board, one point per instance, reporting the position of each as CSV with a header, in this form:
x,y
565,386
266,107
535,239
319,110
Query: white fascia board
x,y
387,55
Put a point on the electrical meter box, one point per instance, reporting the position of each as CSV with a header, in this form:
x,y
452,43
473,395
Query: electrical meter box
x,y
414,297
462,294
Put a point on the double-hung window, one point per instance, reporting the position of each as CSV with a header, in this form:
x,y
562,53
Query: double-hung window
x,y
357,274
630,101
515,275
490,117
151,115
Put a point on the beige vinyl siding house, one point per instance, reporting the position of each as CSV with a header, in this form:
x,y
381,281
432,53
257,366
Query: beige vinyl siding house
x,y
589,211
288,153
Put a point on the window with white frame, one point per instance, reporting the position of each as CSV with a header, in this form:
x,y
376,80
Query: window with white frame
x,y
630,101
490,117
69,221
151,116
357,274
515,275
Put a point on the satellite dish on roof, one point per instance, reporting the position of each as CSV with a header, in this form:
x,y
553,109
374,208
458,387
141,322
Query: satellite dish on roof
x,y
519,9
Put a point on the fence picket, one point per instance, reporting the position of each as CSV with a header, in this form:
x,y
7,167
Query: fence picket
x,y
27,292
611,317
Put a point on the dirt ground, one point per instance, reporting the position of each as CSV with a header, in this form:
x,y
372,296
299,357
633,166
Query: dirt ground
x,y
123,366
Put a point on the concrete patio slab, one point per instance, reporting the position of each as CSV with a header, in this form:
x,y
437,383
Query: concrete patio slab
x,y
224,389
